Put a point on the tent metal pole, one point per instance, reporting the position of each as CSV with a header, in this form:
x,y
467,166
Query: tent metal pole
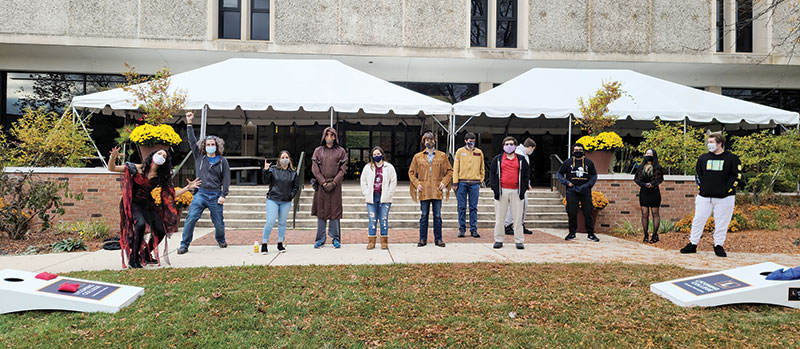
x,y
465,124
80,118
569,135
331,117
452,136
203,120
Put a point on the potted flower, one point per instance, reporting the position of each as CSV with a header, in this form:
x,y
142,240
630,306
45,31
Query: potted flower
x,y
600,146
181,202
153,97
599,202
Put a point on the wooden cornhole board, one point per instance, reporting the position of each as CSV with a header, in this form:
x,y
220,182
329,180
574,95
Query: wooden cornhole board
x,y
732,286
21,291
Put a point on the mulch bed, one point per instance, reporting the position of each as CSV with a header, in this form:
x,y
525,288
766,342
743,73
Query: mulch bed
x,y
42,241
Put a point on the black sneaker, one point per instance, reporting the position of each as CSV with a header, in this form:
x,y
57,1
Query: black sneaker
x,y
422,243
439,243
475,234
497,245
570,236
281,248
222,244
690,248
510,229
520,246
719,251
183,250
526,231
264,249
461,234
593,237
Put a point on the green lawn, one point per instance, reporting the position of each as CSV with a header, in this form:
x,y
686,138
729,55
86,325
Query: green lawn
x,y
468,305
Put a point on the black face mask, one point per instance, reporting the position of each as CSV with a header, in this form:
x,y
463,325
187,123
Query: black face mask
x,y
577,154
648,159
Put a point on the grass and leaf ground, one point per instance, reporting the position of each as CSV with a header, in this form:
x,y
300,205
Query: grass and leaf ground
x,y
468,305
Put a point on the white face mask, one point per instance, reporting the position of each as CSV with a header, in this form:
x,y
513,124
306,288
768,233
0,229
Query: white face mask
x,y
712,147
158,159
284,162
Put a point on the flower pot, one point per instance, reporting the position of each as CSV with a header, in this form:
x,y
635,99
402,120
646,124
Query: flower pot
x,y
146,150
582,225
601,160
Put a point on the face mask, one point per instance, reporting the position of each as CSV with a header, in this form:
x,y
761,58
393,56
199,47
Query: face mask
x,y
158,159
211,149
284,162
329,141
509,148
378,158
712,147
429,145
577,154
471,144
648,158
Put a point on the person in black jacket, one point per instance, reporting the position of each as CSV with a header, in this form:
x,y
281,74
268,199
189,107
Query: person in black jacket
x,y
283,187
579,175
717,174
649,176
509,176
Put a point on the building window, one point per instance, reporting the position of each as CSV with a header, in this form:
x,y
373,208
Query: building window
x,y
230,19
259,19
494,23
744,26
720,25
479,20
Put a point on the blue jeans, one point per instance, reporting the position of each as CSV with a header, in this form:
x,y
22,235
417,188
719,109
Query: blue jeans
x,y
425,206
201,201
333,230
471,190
276,210
378,212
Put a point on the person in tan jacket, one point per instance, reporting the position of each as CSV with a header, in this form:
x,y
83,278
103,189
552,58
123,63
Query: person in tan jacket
x,y
430,174
468,173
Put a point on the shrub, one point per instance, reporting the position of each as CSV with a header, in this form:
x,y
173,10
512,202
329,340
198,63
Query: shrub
x,y
599,200
25,197
595,115
91,230
768,160
628,228
69,245
738,223
44,139
766,218
676,152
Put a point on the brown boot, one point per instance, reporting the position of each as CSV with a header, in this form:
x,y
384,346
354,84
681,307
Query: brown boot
x,y
384,242
371,243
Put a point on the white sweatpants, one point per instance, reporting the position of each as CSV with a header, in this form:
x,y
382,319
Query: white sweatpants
x,y
509,200
722,210
510,219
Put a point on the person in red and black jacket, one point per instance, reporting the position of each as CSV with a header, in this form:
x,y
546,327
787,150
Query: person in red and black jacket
x,y
579,175
509,175
717,174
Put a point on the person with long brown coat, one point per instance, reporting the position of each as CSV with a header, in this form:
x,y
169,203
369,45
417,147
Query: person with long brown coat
x,y
430,174
328,164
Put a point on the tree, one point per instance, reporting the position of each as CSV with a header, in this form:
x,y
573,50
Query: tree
x,y
52,91
594,111
767,159
42,138
677,152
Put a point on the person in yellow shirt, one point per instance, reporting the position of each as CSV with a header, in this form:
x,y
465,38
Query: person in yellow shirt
x,y
468,173
430,174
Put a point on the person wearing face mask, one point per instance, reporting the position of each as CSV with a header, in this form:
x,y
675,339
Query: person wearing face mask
x,y
138,209
525,150
509,178
717,174
648,176
579,175
378,182
430,174
212,168
467,177
328,164
283,187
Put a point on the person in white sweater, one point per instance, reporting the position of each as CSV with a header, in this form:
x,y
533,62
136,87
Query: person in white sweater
x,y
378,182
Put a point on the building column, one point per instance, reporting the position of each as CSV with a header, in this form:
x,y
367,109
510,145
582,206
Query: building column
x,y
485,86
714,89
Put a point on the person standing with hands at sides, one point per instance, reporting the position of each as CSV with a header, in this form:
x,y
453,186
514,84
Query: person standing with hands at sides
x,y
717,175
138,208
509,177
328,164
430,174
283,187
212,168
378,182
468,173
648,176
525,150
579,175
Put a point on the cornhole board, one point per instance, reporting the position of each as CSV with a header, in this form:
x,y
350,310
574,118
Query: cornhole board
x,y
733,286
21,291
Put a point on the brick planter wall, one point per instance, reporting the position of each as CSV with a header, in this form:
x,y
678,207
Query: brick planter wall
x,y
100,189
677,199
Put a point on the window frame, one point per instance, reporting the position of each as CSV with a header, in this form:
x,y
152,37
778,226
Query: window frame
x,y
253,11
492,22
221,10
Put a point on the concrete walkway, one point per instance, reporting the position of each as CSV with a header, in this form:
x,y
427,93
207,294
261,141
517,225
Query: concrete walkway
x,y
610,249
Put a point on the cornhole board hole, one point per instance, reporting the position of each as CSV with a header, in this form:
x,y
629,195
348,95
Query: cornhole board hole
x,y
22,291
733,286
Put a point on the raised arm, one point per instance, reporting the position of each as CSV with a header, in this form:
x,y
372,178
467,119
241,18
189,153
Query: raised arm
x,y
112,161
190,137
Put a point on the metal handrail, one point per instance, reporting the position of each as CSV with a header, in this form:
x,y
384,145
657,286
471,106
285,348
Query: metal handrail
x,y
555,164
301,164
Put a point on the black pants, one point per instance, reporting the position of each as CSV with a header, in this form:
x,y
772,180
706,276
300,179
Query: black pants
x,y
572,211
144,215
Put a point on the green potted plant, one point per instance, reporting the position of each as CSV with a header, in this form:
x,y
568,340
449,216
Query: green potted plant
x,y
600,146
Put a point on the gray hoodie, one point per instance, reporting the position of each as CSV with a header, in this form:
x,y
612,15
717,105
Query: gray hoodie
x,y
217,177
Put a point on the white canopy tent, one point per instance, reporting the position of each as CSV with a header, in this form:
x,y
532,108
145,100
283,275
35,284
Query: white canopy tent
x,y
554,93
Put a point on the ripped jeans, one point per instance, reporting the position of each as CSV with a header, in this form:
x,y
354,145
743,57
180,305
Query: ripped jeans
x,y
378,212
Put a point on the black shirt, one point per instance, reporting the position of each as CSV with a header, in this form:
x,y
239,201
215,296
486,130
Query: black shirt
x,y
718,175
